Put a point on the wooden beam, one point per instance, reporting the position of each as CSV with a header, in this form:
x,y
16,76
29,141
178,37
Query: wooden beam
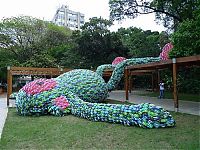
x,y
188,59
37,71
33,69
176,104
29,72
191,60
141,71
152,65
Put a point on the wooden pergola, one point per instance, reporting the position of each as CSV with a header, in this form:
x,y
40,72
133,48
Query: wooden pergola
x,y
140,69
13,71
172,64
151,73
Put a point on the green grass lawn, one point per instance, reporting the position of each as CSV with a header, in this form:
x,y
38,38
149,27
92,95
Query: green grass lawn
x,y
70,132
169,95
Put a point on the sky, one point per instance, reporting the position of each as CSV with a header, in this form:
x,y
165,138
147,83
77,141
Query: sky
x,y
45,9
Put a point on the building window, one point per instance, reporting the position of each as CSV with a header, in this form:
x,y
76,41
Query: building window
x,y
66,17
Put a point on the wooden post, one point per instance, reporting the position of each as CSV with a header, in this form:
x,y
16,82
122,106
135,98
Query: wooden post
x,y
175,85
152,81
126,82
130,84
9,84
158,79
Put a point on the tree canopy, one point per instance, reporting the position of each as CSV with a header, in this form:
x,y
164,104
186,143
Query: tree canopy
x,y
27,40
186,39
92,41
142,43
169,12
20,36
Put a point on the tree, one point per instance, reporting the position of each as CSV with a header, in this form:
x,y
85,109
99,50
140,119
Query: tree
x,y
163,39
56,43
30,41
21,35
56,35
170,12
92,42
6,59
186,39
140,43
186,42
117,47
42,60
67,56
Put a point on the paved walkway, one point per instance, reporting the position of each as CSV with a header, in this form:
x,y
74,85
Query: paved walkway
x,y
184,106
3,111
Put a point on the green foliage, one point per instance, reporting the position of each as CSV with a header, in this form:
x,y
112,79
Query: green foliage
x,y
189,80
163,39
97,25
28,40
169,12
117,46
57,35
94,42
21,36
186,39
135,41
140,43
67,56
6,59
89,48
42,60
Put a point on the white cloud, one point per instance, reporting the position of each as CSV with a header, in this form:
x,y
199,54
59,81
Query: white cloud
x,y
45,9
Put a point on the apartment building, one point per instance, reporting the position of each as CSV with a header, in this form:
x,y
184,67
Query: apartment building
x,y
65,17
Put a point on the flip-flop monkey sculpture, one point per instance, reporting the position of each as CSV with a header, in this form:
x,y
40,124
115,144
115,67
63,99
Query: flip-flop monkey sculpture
x,y
81,92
